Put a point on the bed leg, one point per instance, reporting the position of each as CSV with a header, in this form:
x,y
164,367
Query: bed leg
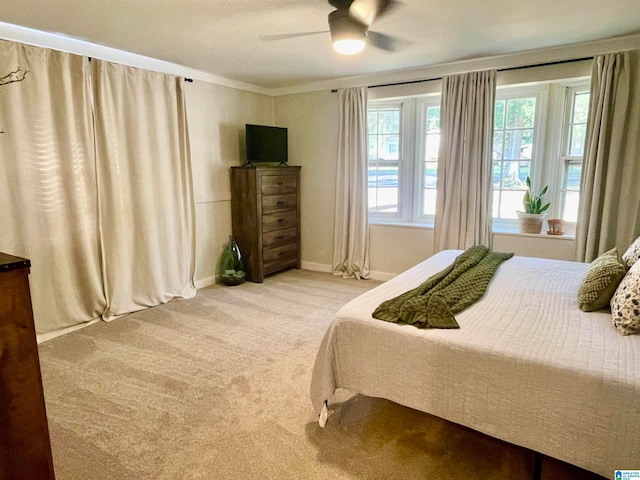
x,y
537,466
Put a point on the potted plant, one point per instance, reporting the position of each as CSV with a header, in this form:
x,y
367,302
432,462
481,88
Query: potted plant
x,y
531,219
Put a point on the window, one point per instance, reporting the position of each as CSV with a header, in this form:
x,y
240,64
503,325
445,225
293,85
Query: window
x,y
539,131
577,109
404,138
430,160
384,125
515,148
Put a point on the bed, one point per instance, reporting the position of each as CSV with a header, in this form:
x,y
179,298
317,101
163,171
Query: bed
x,y
526,366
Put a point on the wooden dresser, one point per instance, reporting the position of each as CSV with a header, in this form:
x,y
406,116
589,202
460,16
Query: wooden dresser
x,y
265,214
25,452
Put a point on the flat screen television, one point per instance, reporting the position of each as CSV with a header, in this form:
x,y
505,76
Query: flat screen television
x,y
266,144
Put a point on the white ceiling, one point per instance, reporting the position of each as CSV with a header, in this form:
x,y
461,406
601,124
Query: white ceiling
x,y
222,37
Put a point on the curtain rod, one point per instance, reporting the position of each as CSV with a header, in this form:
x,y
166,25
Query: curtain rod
x,y
433,79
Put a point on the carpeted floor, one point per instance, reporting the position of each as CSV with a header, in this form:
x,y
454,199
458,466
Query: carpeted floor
x,y
216,387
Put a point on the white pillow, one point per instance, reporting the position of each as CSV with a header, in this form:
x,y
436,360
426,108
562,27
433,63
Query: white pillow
x,y
632,254
625,304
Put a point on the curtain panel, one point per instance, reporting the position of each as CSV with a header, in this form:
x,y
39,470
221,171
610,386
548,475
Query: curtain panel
x,y
95,190
48,182
464,185
351,223
609,211
144,186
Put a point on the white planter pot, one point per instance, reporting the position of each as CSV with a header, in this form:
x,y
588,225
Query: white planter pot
x,y
531,222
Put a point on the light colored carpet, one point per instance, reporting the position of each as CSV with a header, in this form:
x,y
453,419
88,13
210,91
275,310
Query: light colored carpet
x,y
216,387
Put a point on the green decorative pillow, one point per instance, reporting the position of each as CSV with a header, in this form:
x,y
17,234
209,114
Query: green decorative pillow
x,y
601,281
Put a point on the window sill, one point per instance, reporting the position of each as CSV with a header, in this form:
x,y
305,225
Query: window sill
x,y
516,233
379,223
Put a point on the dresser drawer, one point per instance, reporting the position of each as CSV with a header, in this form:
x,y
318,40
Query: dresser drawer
x,y
278,184
275,203
275,259
276,221
276,238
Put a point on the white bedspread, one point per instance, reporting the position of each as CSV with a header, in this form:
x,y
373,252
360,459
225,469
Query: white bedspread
x,y
527,365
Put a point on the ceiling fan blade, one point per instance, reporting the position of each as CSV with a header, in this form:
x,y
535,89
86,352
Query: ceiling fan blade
x,y
340,4
366,11
386,42
284,36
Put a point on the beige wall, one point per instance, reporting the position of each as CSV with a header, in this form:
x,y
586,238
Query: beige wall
x,y
312,120
216,117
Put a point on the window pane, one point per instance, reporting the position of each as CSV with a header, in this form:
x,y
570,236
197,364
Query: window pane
x,y
496,203
581,108
518,144
384,198
384,158
514,175
498,147
432,144
498,118
389,121
521,112
578,133
496,174
372,121
430,174
433,120
429,202
511,202
571,201
373,147
388,147
574,172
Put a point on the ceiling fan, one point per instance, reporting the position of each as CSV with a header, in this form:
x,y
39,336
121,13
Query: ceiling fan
x,y
349,26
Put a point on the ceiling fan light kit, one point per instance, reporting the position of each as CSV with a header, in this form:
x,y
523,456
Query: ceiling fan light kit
x,y
349,26
347,35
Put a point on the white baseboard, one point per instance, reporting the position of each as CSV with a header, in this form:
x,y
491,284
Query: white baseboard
x,y
316,267
323,267
205,282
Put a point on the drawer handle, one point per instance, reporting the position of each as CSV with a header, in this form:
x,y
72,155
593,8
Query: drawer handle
x,y
280,220
280,254
280,183
280,202
280,237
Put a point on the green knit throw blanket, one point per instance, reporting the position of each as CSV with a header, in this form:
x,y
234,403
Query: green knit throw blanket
x,y
434,303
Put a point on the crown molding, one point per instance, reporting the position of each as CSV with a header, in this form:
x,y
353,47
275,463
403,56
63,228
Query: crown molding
x,y
526,58
519,59
68,44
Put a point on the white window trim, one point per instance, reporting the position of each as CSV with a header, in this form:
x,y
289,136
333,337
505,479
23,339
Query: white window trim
x,y
541,93
411,146
421,132
564,157
399,216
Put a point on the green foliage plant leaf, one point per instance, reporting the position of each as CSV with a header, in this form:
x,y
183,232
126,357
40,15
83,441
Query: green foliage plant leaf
x,y
533,201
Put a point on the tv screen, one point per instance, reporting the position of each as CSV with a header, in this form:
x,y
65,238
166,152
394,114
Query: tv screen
x,y
266,144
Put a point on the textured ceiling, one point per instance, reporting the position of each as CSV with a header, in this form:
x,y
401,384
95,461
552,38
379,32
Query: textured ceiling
x,y
222,37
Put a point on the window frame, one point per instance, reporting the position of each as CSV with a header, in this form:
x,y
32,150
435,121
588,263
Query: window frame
x,y
411,146
541,93
565,160
399,215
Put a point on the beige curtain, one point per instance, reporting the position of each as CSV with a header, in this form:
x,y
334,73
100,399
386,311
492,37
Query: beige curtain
x,y
144,186
609,213
464,189
351,226
48,203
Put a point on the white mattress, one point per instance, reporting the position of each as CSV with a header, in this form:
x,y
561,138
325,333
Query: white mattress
x,y
527,365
